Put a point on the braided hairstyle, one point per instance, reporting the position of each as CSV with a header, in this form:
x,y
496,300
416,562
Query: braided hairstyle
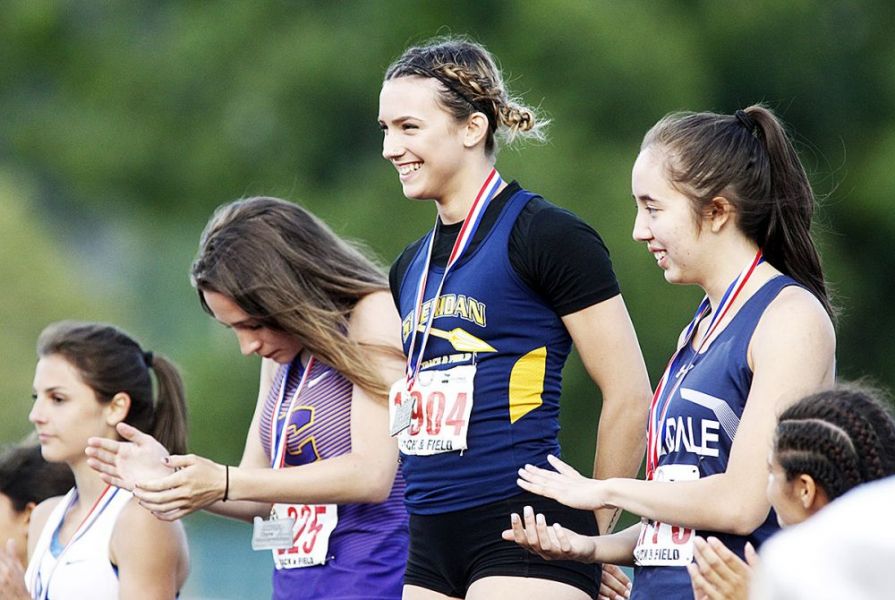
x,y
841,437
471,83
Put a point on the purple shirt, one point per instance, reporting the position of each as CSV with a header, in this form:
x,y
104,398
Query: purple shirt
x,y
368,549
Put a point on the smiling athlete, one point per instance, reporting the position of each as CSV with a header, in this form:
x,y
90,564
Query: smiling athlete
x,y
491,301
723,203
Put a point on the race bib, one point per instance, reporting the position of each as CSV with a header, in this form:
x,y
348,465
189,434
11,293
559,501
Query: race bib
x,y
439,405
661,544
312,525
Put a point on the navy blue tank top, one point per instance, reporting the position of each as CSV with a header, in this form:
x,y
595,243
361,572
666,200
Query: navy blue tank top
x,y
515,414
701,423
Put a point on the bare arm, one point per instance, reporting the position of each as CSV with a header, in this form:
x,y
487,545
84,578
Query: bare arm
x,y
791,354
366,474
152,556
605,338
143,459
555,542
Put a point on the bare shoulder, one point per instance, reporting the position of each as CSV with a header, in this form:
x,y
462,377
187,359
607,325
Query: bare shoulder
x,y
152,555
137,531
375,320
795,319
42,511
796,307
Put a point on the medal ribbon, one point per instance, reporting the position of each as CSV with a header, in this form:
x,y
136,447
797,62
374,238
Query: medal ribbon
x,y
102,502
464,238
278,445
662,396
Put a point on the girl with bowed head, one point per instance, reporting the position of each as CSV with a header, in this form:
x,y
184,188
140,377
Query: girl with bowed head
x,y
723,203
491,301
318,460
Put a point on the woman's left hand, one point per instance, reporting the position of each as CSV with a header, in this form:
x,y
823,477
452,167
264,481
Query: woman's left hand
x,y
564,485
552,542
716,573
196,483
12,574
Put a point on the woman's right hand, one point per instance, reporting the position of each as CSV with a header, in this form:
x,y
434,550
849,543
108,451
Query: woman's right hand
x,y
124,464
553,542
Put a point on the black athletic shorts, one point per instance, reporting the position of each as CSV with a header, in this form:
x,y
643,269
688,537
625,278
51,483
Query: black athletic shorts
x,y
449,551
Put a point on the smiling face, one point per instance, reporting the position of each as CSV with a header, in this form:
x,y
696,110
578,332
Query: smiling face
x,y
253,337
66,411
421,138
665,221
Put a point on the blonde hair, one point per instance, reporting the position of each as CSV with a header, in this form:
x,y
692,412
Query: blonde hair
x,y
472,82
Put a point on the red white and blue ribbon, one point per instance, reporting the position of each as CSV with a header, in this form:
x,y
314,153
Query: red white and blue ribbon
x,y
278,445
662,396
464,238
102,502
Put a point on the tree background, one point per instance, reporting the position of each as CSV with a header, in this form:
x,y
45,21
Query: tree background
x,y
124,124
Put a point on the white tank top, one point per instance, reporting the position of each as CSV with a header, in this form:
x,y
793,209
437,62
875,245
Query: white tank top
x,y
83,568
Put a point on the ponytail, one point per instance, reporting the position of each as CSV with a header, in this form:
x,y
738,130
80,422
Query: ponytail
x,y
787,242
748,159
111,362
169,425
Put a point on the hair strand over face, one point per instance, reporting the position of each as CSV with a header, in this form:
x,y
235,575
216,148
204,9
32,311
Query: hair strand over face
x,y
288,271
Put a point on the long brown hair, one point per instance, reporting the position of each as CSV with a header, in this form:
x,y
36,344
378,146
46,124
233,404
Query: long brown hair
x,y
748,159
471,82
287,270
111,362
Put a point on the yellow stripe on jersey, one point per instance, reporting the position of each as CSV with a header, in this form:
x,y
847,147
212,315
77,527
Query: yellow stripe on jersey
x,y
527,383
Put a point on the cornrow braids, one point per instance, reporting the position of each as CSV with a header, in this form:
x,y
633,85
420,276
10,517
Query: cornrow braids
x,y
821,450
841,437
472,83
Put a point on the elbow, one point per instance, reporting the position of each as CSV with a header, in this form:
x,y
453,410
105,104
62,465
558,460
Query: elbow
x,y
376,485
746,520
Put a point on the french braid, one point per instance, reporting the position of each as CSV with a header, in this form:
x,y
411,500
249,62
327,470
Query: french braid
x,y
472,83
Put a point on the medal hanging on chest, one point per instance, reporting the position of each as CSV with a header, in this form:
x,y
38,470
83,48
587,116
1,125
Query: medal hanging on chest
x,y
297,534
40,590
662,544
677,369
430,411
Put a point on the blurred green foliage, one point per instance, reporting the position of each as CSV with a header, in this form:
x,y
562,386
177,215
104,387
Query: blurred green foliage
x,y
125,123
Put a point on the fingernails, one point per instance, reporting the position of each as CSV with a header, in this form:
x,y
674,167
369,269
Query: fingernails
x,y
514,518
528,512
540,519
